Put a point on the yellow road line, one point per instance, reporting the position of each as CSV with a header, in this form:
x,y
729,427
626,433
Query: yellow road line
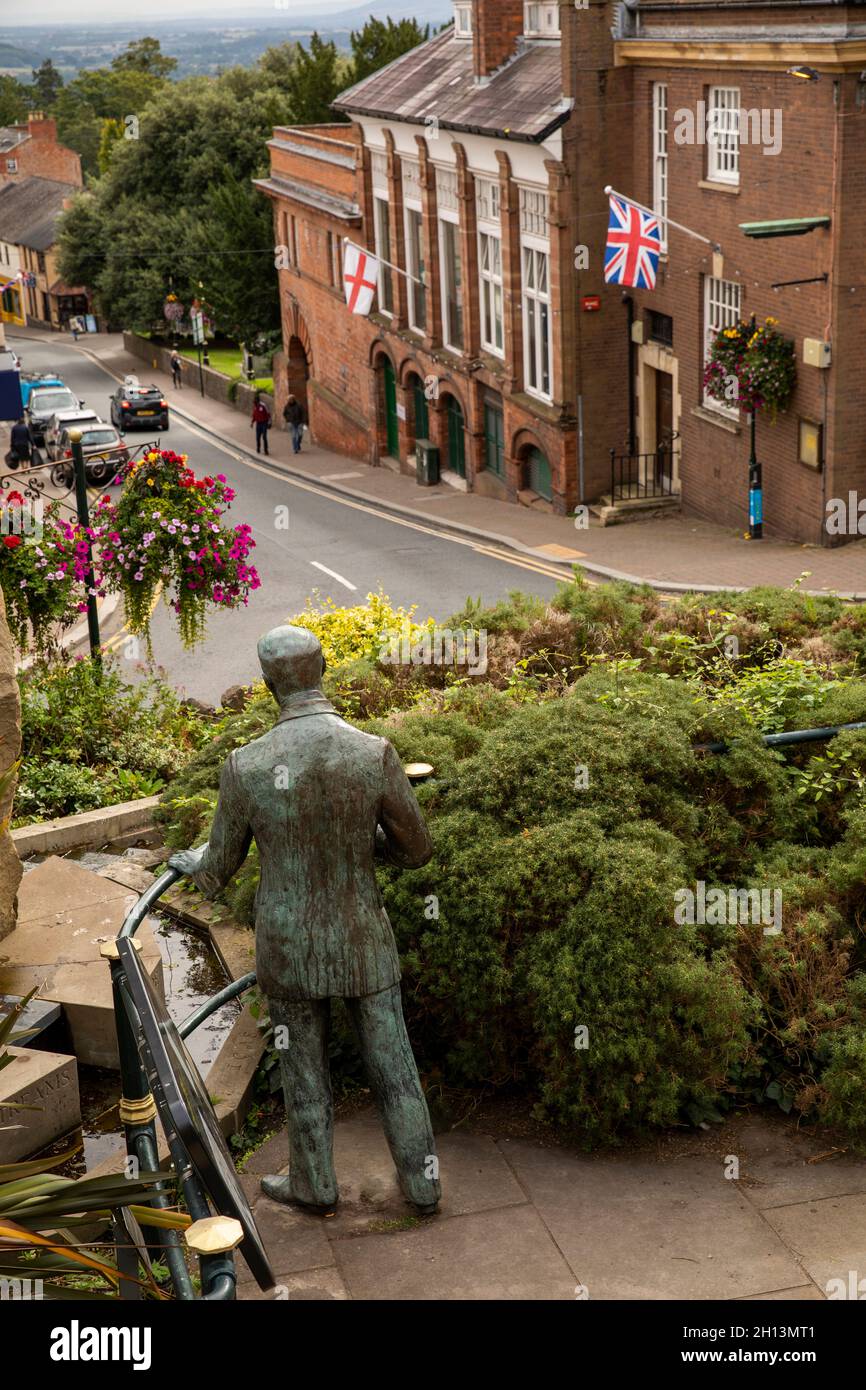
x,y
123,633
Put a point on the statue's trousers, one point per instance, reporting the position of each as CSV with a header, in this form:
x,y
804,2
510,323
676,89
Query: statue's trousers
x,y
393,1076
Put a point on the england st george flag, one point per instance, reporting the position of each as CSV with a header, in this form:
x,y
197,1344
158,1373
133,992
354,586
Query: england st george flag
x,y
360,277
633,246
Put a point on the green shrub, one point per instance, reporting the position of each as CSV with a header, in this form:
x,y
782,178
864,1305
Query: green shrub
x,y
549,903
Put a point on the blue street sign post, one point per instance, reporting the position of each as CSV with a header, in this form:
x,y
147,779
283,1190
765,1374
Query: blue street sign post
x,y
756,490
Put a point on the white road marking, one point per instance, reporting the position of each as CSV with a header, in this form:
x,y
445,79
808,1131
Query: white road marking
x,y
339,578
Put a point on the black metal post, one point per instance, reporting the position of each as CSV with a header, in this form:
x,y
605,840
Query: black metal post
x,y
200,372
84,520
756,491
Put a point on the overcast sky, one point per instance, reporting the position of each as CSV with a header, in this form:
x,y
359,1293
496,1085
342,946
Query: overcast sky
x,y
234,12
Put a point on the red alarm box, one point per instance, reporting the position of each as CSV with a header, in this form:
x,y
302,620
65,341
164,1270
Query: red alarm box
x,y
591,303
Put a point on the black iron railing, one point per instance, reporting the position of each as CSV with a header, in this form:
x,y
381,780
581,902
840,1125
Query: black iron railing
x,y
635,477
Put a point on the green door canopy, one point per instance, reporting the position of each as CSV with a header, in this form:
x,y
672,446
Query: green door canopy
x,y
790,226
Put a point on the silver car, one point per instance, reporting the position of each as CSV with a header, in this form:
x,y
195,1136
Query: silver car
x,y
66,420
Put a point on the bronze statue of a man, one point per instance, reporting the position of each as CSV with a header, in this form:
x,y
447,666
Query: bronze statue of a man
x,y
319,797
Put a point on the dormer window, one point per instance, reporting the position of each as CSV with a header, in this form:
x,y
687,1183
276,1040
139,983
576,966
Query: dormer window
x,y
541,19
463,21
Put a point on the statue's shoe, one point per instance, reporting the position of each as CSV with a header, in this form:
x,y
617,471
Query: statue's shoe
x,y
279,1189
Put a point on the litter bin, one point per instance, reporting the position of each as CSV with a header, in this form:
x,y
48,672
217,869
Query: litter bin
x,y
426,463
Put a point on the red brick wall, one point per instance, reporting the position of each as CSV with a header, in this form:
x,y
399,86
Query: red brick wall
x,y
714,463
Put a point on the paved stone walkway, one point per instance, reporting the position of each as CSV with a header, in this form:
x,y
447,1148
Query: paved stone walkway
x,y
520,1221
674,551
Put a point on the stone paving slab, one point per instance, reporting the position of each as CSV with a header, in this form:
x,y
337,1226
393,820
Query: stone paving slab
x,y
777,1170
295,1241
523,1221
503,1254
312,1285
65,913
828,1235
641,1229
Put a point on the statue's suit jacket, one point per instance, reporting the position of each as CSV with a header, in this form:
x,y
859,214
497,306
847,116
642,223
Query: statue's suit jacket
x,y
312,793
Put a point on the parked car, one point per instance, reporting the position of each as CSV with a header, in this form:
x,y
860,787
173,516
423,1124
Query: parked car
x,y
66,419
104,453
45,401
30,380
134,404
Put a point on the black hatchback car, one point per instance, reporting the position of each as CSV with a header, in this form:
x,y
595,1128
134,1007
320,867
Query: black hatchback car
x,y
135,405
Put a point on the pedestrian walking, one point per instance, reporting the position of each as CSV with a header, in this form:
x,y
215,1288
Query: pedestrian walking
x,y
295,418
19,444
74,327
176,369
262,421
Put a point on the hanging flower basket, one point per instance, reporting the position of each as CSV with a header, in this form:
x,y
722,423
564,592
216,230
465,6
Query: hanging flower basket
x,y
173,309
164,531
42,569
752,366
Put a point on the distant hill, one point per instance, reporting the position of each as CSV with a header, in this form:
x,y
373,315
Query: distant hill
x,y
235,35
11,56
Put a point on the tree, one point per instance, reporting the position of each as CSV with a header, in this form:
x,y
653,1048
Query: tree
x,y
79,127
233,252
47,82
378,44
13,100
145,55
315,83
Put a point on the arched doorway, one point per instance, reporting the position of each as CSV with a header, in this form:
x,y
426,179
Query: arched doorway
x,y
389,407
538,476
456,458
298,372
420,409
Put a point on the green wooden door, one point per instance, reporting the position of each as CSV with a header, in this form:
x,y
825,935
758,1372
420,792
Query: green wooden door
x,y
494,439
456,438
539,474
422,418
391,422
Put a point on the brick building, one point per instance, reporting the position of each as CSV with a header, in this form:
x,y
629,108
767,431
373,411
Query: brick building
x,y
29,214
32,150
478,163
797,151
479,206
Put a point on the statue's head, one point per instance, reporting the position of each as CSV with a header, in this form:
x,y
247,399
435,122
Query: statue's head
x,y
291,660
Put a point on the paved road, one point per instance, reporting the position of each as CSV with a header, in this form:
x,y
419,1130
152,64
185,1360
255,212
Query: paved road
x,y
332,549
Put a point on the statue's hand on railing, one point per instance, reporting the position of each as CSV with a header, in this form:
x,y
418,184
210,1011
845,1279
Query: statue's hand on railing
x,y
188,861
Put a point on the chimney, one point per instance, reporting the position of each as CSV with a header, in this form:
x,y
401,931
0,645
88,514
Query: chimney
x,y
40,127
496,27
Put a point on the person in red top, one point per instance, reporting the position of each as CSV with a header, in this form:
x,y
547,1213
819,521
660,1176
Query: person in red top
x,y
262,421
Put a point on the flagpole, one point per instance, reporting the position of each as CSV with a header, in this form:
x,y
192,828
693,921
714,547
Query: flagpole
x,y
669,221
373,256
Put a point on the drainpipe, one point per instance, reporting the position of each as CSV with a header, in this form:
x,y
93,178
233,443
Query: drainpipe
x,y
580,455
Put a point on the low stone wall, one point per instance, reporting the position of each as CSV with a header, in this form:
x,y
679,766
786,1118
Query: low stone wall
x,y
84,830
217,386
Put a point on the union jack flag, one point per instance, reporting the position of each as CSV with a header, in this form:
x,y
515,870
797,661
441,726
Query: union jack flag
x,y
633,246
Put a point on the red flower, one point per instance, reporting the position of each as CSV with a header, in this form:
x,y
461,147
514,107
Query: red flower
x,y
11,542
